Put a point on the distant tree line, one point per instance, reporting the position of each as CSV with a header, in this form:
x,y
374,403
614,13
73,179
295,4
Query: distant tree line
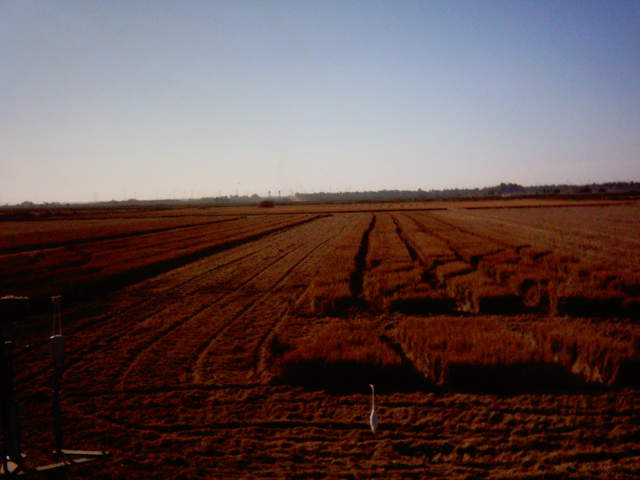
x,y
502,190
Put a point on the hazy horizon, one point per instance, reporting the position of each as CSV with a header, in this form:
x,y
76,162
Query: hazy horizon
x,y
118,100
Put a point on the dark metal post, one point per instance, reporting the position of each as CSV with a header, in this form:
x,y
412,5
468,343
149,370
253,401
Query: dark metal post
x,y
57,347
6,398
10,309
57,350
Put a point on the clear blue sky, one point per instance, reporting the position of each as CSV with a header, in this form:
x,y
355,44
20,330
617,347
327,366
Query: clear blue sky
x,y
112,99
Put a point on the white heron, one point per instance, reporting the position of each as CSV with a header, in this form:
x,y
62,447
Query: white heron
x,y
373,419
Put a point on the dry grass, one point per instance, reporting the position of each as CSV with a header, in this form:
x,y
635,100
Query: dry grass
x,y
421,300
331,291
466,245
604,235
461,288
539,281
385,246
106,264
405,268
429,248
231,423
344,341
587,290
382,286
443,272
390,268
33,235
328,296
468,354
344,356
483,353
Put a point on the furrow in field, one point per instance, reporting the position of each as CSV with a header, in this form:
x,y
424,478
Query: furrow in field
x,y
337,284
390,268
357,275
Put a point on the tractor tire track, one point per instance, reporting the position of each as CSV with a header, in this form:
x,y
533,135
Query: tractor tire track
x,y
182,336
473,259
259,351
137,317
287,302
83,325
148,307
117,236
134,364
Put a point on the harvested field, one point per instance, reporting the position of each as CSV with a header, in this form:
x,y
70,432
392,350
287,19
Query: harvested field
x,y
609,235
201,343
74,267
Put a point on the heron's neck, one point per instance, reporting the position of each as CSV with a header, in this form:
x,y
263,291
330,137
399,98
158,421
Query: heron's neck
x,y
373,399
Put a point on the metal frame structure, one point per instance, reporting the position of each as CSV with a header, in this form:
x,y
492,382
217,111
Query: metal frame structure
x,y
12,462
